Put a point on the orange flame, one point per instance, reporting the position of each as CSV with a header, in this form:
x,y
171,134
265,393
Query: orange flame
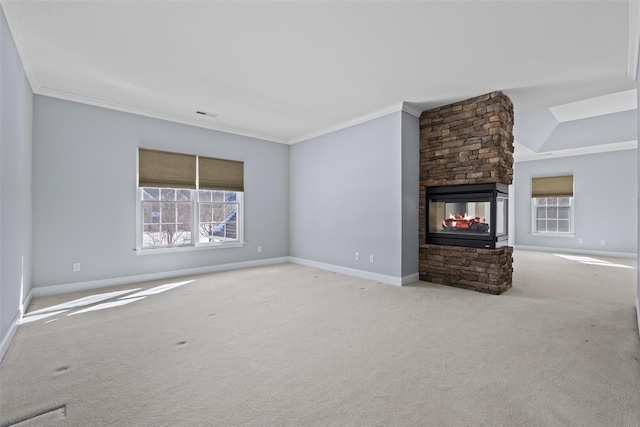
x,y
460,221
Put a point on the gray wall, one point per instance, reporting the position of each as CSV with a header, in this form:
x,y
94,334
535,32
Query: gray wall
x,y
638,205
606,208
16,107
84,193
348,195
410,193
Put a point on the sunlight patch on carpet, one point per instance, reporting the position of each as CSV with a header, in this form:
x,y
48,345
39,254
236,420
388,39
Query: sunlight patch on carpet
x,y
92,301
106,305
39,418
158,289
591,261
81,302
32,318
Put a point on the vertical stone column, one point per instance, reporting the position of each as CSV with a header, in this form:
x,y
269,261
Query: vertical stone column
x,y
468,142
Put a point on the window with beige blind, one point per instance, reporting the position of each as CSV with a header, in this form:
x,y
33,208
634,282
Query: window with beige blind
x,y
552,205
188,201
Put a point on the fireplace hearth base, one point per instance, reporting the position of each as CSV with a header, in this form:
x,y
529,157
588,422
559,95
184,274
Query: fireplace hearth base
x,y
483,270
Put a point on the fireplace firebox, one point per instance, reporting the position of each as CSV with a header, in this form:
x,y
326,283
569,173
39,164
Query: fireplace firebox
x,y
471,215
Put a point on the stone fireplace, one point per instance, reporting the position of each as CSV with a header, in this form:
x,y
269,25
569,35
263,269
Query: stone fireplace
x,y
466,165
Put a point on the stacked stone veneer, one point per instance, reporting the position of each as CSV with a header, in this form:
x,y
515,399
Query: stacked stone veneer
x,y
469,142
482,270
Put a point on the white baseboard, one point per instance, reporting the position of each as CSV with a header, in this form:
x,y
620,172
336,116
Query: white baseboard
x,y
383,278
576,251
411,278
26,302
6,340
117,281
96,284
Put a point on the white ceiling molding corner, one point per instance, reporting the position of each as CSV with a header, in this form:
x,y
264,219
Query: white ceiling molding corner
x,y
411,109
394,108
522,153
17,28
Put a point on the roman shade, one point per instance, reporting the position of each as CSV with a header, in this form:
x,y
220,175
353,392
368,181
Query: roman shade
x,y
177,170
164,169
220,174
552,186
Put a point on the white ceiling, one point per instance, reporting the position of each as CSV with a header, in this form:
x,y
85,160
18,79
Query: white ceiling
x,y
287,71
598,106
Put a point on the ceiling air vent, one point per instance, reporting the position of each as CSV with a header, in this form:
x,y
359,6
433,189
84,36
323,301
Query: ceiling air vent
x,y
204,113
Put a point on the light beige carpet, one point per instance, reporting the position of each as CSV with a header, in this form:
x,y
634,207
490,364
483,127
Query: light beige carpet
x,y
296,346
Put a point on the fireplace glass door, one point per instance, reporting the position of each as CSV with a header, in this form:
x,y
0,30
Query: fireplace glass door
x,y
460,217
501,216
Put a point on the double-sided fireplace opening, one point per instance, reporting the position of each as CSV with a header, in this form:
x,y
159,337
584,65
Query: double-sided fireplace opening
x,y
471,215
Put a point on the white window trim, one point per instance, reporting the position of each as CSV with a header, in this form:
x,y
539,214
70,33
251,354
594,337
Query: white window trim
x,y
195,245
240,229
571,233
188,248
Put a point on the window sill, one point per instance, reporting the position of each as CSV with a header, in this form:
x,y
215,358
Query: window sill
x,y
156,251
553,234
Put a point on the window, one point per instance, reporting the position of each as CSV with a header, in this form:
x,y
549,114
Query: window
x,y
553,214
166,217
218,216
188,201
552,205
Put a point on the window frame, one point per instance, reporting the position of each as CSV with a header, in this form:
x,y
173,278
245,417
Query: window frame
x,y
195,225
195,244
161,201
571,219
239,218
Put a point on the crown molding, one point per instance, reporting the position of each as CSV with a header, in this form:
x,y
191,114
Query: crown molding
x,y
411,109
68,96
14,20
397,107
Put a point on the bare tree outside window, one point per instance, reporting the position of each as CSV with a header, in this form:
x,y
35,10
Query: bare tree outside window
x,y
167,217
218,216
182,217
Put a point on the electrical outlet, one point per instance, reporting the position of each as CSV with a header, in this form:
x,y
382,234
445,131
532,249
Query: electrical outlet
x,y
76,266
579,241
259,249
602,242
370,258
357,256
